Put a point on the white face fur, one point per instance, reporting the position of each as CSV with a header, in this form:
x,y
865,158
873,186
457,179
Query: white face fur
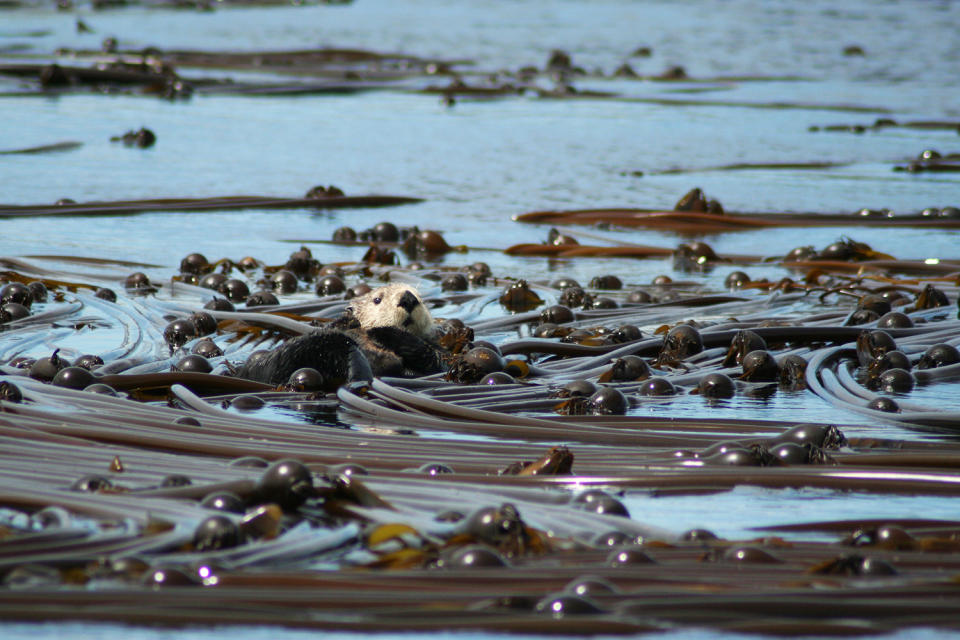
x,y
381,308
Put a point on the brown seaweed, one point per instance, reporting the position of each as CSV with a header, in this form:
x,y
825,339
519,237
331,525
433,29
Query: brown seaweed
x,y
55,147
220,203
701,222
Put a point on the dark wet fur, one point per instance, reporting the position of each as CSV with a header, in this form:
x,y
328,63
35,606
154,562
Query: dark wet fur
x,y
334,354
348,354
395,352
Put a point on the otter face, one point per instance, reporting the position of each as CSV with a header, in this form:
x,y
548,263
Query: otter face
x,y
395,305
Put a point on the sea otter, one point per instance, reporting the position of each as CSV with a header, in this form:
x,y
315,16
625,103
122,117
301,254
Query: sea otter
x,y
386,332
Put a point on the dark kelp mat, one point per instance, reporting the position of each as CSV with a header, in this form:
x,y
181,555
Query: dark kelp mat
x,y
158,72
287,61
55,79
443,502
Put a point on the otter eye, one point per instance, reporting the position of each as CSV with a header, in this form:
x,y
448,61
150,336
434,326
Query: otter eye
x,y
377,300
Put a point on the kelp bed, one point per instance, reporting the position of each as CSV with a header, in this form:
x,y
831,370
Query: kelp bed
x,y
184,497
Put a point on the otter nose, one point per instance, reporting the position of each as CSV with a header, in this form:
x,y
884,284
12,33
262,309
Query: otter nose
x,y
408,301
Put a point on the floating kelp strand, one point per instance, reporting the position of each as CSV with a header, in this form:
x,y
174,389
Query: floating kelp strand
x,y
297,88
844,377
845,394
695,222
119,535
269,396
585,373
879,480
795,334
21,266
264,319
144,307
317,309
511,427
820,361
863,480
117,507
430,383
517,405
691,432
805,106
927,376
847,389
393,403
141,475
214,430
195,402
84,460
155,366
844,526
14,348
434,406
706,356
114,435
506,322
24,543
906,267
294,546
474,309
747,166
833,391
571,251
96,549
505,393
177,288
296,61
206,442
68,145
452,392
599,356
834,617
547,346
175,609
88,551
934,460
544,510
97,261
204,382
222,203
59,312
944,330
887,122
578,426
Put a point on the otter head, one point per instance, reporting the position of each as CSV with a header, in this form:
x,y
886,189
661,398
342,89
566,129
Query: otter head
x,y
395,305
